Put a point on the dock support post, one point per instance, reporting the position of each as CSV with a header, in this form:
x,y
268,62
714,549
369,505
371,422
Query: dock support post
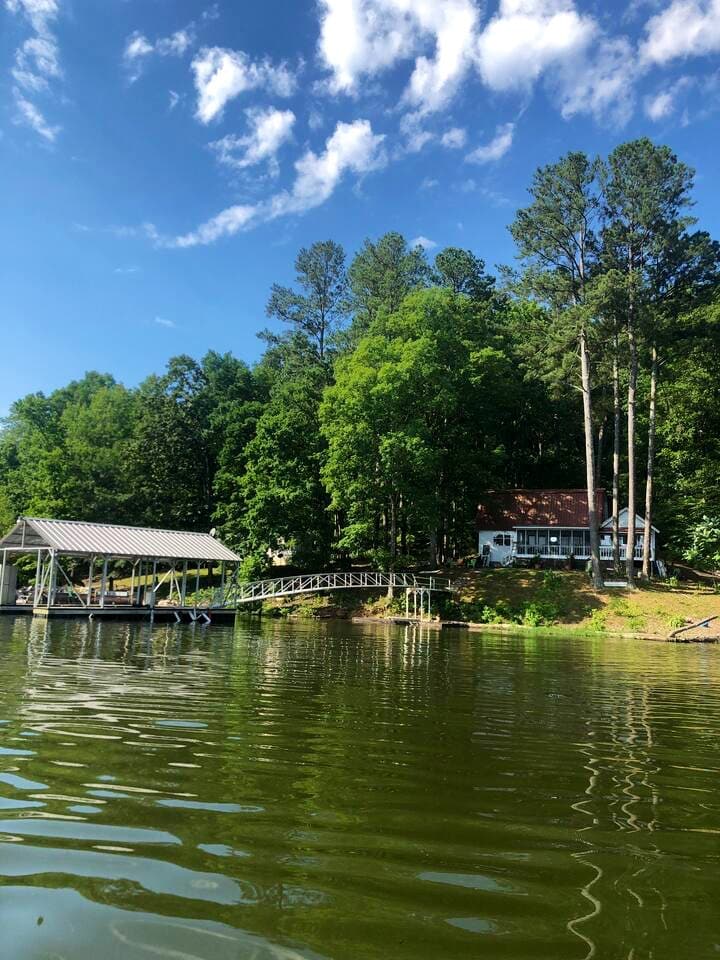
x,y
38,572
154,581
2,575
132,584
183,591
52,585
103,582
91,571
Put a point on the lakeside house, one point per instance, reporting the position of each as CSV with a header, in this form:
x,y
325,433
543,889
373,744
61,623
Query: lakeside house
x,y
550,524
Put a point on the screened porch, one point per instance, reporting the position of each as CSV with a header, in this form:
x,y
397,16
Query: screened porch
x,y
553,542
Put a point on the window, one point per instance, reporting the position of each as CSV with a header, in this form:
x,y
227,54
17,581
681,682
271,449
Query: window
x,y
502,540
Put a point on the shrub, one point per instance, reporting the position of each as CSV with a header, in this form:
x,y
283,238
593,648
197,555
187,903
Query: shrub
x,y
597,620
253,567
704,549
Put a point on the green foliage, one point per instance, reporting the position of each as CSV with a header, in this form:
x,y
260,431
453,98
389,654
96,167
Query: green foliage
x,y
463,272
704,544
598,621
423,384
382,274
253,567
319,305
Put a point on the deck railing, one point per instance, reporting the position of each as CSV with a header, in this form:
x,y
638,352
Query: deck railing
x,y
556,551
606,552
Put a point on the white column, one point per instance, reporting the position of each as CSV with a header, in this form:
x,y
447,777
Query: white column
x,y
91,572
103,583
132,583
2,575
154,581
197,584
183,591
38,573
52,586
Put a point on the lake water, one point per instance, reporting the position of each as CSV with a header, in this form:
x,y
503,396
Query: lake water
x,y
277,792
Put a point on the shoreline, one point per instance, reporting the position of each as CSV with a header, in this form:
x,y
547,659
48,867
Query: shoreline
x,y
519,628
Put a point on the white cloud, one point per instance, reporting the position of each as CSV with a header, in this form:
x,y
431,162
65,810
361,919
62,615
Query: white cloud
x,y
361,38
423,242
660,106
37,62
176,44
138,48
429,183
452,23
455,138
174,99
40,13
31,116
686,28
163,322
416,137
664,103
126,271
352,148
269,130
496,148
221,75
602,83
525,37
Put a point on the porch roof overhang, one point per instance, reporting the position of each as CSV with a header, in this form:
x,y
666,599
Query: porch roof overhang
x,y
77,538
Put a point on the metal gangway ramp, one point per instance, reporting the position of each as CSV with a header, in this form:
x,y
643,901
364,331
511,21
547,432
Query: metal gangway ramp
x,y
237,594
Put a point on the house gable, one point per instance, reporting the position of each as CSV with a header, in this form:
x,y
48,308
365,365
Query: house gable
x,y
623,521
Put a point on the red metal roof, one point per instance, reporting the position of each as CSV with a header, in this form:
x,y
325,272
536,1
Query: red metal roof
x,y
506,509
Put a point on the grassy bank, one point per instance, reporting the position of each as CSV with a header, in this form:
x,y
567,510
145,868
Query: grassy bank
x,y
566,599
531,599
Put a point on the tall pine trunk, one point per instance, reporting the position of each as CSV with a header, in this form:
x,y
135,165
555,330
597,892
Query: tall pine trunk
x,y
617,426
631,401
393,542
590,460
652,419
599,452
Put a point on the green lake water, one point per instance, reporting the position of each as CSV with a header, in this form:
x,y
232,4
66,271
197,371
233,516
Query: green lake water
x,y
276,792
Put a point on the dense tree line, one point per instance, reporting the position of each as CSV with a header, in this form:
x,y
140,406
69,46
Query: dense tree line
x,y
400,389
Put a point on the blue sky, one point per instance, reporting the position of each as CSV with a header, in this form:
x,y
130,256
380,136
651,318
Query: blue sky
x,y
162,161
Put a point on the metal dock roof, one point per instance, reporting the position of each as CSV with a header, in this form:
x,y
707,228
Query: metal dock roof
x,y
77,537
